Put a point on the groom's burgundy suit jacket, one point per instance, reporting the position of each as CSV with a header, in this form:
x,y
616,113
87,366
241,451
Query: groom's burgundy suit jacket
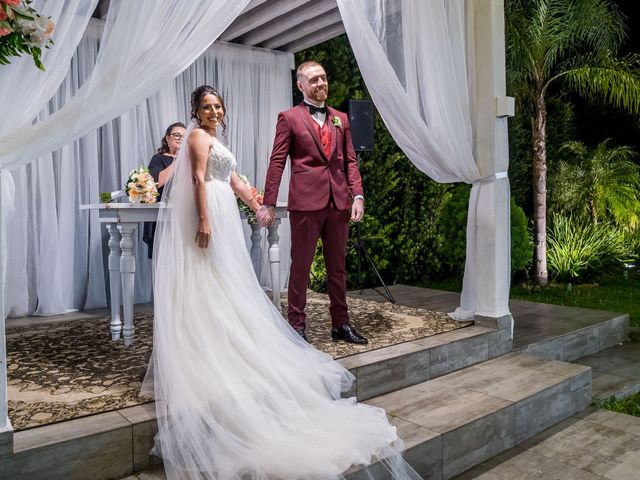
x,y
315,176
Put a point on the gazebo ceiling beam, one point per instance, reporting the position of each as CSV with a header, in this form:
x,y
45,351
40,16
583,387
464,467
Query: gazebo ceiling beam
x,y
253,4
310,40
297,32
309,15
259,16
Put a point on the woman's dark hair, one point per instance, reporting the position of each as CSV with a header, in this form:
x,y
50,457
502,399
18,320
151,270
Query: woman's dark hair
x,y
164,146
196,100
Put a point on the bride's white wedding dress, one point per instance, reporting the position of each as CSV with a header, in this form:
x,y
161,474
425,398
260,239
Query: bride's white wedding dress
x,y
238,393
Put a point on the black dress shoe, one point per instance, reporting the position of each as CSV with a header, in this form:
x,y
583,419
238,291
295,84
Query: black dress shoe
x,y
300,331
347,333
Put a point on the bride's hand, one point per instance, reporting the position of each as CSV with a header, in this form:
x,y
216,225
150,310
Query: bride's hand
x,y
203,235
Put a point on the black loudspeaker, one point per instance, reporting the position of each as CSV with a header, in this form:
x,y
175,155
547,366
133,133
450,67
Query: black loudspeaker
x,y
361,120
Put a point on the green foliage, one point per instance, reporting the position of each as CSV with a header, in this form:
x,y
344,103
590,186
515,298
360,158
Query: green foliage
x,y
600,184
521,239
400,224
579,250
22,31
318,270
336,56
615,292
453,228
629,405
571,44
552,39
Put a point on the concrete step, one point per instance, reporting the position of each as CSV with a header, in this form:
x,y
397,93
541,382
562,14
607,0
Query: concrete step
x,y
405,364
116,444
459,420
615,371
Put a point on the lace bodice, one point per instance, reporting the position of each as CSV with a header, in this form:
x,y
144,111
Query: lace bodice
x,y
221,162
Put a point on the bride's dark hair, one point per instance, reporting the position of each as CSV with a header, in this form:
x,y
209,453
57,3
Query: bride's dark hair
x,y
196,100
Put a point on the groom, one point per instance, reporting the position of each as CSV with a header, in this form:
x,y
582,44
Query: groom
x,y
325,191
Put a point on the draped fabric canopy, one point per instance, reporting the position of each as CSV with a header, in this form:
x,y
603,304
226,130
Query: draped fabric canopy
x,y
413,58
411,53
56,262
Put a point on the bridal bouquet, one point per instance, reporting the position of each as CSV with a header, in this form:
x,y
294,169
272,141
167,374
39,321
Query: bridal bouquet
x,y
141,187
23,30
243,207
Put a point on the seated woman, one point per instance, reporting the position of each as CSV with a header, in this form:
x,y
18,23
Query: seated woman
x,y
160,168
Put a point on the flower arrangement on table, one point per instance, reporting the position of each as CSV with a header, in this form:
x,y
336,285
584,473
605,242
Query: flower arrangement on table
x,y
243,207
23,30
140,187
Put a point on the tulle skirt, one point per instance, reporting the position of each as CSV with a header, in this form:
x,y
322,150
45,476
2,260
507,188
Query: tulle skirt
x,y
238,393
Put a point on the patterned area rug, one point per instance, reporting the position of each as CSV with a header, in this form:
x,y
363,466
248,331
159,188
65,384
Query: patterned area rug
x,y
59,371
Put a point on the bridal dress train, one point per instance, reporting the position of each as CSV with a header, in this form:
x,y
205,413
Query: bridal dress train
x,y
238,394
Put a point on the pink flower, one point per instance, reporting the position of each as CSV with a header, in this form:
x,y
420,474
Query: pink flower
x,y
13,3
3,14
4,31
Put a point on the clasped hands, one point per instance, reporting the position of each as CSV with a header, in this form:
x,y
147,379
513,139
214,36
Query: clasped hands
x,y
266,214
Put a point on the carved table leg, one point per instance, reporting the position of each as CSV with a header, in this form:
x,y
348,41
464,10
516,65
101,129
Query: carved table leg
x,y
274,261
114,280
256,248
127,277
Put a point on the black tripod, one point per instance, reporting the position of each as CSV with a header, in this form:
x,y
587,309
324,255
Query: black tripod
x,y
361,250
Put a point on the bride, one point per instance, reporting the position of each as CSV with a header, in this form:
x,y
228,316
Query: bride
x,y
238,393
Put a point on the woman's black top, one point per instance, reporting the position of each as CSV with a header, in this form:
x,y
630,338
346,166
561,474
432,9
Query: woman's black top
x,y
158,163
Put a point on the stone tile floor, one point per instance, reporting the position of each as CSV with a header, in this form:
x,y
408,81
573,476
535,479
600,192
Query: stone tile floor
x,y
615,371
592,445
595,444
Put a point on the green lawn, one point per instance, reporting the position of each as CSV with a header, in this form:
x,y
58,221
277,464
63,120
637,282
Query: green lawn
x,y
618,294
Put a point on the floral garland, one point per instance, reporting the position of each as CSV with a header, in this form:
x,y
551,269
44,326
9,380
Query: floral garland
x,y
23,30
243,207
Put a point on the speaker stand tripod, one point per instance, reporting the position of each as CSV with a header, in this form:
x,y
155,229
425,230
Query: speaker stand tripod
x,y
361,250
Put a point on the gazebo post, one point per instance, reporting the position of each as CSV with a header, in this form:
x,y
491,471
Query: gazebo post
x,y
490,109
6,431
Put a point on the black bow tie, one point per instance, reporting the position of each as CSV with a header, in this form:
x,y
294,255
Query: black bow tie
x,y
313,109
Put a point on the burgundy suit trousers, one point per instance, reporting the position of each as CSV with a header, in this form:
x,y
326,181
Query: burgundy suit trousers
x,y
332,226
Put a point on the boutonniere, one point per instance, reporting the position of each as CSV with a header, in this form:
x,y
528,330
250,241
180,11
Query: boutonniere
x,y
337,122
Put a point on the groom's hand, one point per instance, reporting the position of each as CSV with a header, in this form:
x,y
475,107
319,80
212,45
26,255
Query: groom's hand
x,y
357,210
265,215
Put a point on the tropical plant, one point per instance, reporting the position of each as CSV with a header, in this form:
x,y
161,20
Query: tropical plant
x,y
573,43
602,184
580,250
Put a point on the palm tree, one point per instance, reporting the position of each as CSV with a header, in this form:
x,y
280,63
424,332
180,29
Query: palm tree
x,y
602,184
573,42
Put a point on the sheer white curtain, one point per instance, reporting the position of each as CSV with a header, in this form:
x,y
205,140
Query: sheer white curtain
x,y
26,90
412,55
145,44
56,251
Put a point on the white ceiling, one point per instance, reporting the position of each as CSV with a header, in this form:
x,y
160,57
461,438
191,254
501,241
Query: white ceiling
x,y
287,25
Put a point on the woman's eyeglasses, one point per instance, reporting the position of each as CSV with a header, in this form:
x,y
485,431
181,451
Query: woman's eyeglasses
x,y
177,136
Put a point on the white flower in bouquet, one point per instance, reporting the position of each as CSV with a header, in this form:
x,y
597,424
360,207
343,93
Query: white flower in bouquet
x,y
141,187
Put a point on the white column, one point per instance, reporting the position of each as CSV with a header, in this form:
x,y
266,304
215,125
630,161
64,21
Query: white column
x,y
486,48
274,261
6,431
115,284
256,248
127,277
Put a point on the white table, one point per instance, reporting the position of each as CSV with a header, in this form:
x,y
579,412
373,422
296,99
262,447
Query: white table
x,y
121,221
